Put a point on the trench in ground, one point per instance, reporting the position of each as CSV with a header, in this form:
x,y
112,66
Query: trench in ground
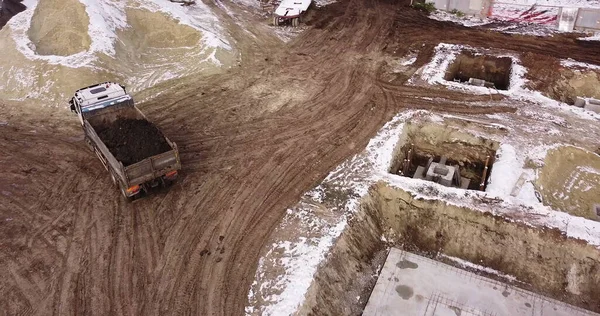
x,y
495,70
543,260
467,154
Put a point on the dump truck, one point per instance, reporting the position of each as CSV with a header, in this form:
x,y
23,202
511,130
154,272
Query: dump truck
x,y
132,149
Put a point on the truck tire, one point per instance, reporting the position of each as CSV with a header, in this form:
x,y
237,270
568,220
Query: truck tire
x,y
276,21
295,22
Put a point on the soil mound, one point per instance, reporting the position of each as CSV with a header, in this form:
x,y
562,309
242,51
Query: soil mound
x,y
131,140
60,27
156,30
8,9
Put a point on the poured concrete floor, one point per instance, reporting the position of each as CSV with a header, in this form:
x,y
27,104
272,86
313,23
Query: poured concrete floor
x,y
413,285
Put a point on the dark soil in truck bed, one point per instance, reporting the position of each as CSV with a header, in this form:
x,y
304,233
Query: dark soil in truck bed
x,y
132,140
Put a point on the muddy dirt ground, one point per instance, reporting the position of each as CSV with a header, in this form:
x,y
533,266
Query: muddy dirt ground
x,y
69,245
131,140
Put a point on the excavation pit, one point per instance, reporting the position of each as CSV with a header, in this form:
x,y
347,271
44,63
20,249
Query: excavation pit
x,y
529,257
444,155
480,70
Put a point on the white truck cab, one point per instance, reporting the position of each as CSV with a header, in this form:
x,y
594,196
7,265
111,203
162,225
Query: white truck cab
x,y
96,97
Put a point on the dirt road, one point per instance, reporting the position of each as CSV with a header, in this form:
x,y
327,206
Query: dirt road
x,y
252,140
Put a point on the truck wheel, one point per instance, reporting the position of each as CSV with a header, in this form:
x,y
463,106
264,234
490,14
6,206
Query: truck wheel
x,y
295,22
276,20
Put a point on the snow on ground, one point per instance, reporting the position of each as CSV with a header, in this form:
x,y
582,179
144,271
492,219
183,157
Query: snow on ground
x,y
570,63
322,3
114,24
107,17
529,17
301,261
470,265
464,20
506,172
593,37
300,265
199,16
317,229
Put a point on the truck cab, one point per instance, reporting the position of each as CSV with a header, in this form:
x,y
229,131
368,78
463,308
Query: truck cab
x,y
89,100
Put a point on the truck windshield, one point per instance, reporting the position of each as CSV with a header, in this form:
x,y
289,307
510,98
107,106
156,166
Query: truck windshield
x,y
125,100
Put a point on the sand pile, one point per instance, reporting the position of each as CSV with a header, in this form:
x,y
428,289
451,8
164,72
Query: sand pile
x,y
8,9
569,181
157,30
60,27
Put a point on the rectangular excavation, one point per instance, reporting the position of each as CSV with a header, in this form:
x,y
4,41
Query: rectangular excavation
x,y
537,259
444,155
480,70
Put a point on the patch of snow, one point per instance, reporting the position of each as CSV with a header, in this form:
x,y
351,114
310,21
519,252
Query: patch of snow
x,y
468,264
409,62
527,194
248,3
435,71
570,63
300,261
466,20
506,171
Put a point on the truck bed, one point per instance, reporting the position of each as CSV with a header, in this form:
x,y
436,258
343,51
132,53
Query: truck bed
x,y
151,164
128,135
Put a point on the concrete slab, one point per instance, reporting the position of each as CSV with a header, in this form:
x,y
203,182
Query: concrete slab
x,y
414,285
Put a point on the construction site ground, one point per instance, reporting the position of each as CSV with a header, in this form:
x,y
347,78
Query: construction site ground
x,y
252,140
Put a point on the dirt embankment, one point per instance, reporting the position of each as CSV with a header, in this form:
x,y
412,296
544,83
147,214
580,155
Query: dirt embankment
x,y
8,9
131,140
60,27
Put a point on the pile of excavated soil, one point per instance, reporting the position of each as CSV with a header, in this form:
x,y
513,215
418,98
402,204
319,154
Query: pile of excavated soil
x,y
156,30
8,9
131,140
546,74
569,181
60,27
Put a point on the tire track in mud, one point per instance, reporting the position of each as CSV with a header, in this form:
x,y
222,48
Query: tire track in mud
x,y
244,163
